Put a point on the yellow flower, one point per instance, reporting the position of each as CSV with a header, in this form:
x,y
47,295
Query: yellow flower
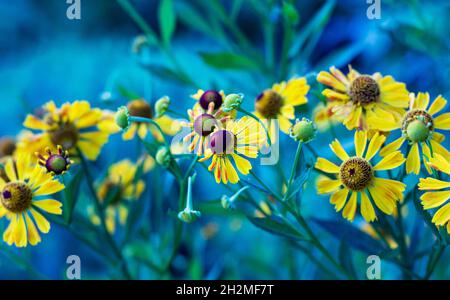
x,y
439,193
236,139
279,103
418,127
73,126
141,108
355,178
362,100
120,184
324,117
56,163
22,197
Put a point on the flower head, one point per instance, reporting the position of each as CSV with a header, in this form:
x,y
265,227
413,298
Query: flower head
x,y
73,126
418,126
363,101
355,178
438,193
162,105
279,101
22,197
232,102
237,138
122,118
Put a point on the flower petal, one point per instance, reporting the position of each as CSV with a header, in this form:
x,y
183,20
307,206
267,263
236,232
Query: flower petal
x,y
442,216
374,145
337,148
442,121
434,199
49,188
437,105
326,185
339,198
367,210
41,222
49,205
413,160
350,208
360,142
430,183
326,166
390,161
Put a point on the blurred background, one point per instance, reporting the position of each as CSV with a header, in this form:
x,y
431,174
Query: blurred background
x,y
239,46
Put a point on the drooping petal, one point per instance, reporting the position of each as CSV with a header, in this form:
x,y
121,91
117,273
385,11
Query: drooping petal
x,y
350,208
243,165
367,210
413,160
442,216
49,205
434,199
326,185
41,222
20,232
33,235
394,146
339,198
437,105
438,162
385,204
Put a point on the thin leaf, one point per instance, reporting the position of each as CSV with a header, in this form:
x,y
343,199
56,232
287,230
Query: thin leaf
x,y
352,236
278,226
167,20
225,60
71,193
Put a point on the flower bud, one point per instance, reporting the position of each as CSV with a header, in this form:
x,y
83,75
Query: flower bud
x,y
232,101
303,130
162,105
163,156
188,215
123,118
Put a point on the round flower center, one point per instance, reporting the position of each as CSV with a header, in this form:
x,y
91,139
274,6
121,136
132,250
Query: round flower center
x,y
140,108
7,147
210,97
269,104
364,90
57,164
223,142
417,126
204,124
16,197
65,135
356,173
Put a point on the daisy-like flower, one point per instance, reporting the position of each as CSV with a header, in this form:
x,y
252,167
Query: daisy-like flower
x,y
279,103
22,197
418,126
119,185
141,108
362,100
73,126
438,193
355,178
237,138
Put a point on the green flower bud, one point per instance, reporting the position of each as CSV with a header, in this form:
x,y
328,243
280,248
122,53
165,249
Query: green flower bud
x,y
232,101
230,202
303,130
123,118
417,131
163,156
162,105
188,215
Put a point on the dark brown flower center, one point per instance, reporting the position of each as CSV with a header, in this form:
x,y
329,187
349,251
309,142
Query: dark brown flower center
x,y
364,90
269,104
356,173
211,97
65,135
223,142
16,196
140,108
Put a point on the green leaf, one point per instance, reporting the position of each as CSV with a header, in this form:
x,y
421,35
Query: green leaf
x,y
126,93
314,27
290,13
225,60
351,235
167,20
71,193
278,226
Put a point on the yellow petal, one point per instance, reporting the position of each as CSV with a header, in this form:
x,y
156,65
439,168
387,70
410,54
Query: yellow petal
x,y
367,210
350,208
437,105
41,222
232,174
337,148
142,130
413,160
328,79
354,118
295,91
421,101
385,204
8,235
434,199
360,142
20,232
10,171
33,122
374,145
393,188
326,185
49,188
33,235
130,133
288,111
430,183
49,205
439,149
440,163
339,198
326,166
394,146
442,121
243,165
442,216
390,161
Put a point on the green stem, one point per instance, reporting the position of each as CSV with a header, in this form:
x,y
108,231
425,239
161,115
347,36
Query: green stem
x,y
293,170
150,121
101,214
432,263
